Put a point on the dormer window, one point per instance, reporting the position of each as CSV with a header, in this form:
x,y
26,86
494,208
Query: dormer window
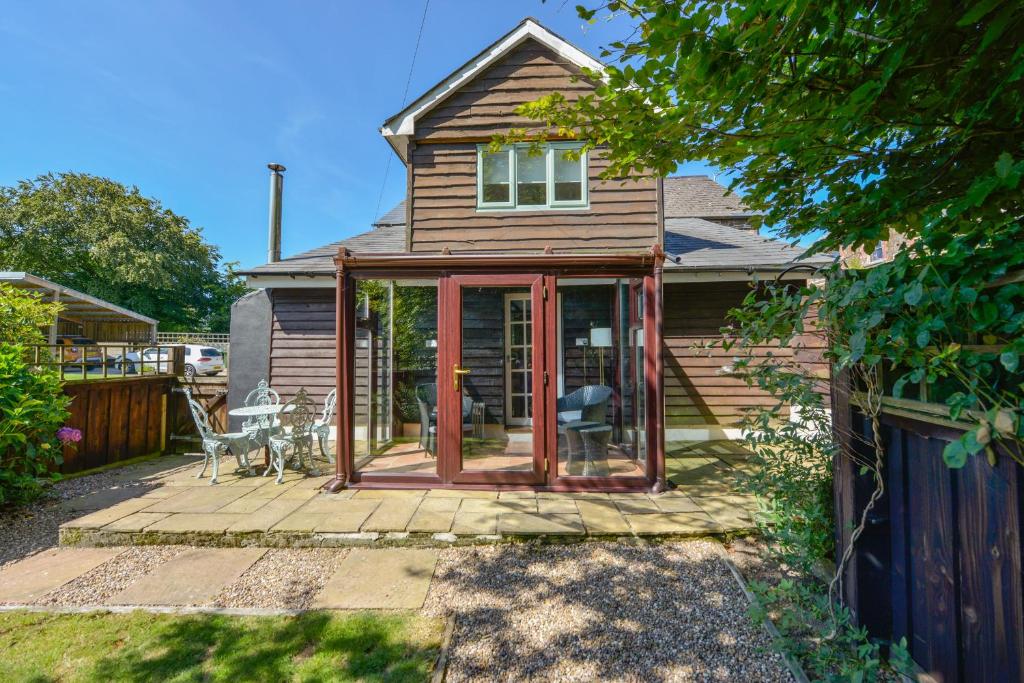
x,y
515,179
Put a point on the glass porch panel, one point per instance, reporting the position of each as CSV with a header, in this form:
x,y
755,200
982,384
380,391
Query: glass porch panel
x,y
395,425
600,372
497,393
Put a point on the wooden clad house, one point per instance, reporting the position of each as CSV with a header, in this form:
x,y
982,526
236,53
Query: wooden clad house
x,y
516,320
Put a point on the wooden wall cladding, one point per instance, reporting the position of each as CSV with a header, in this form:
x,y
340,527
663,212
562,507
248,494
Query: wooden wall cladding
x,y
119,419
940,561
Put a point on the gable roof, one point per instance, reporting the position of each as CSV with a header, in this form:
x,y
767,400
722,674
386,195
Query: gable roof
x,y
698,196
700,244
400,127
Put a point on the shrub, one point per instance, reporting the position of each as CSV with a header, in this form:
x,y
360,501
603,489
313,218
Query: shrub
x,y
32,409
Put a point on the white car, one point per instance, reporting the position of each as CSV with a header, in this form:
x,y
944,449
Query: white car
x,y
199,359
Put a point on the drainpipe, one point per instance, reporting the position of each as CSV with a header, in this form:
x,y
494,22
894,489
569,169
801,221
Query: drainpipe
x,y
274,229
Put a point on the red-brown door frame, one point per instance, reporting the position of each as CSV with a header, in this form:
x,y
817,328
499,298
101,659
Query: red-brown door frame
x,y
450,399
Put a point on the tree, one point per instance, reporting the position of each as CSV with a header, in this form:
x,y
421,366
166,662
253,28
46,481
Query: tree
x,y
843,121
103,238
23,315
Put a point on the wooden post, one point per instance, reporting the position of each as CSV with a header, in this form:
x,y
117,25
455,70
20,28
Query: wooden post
x,y
657,408
345,311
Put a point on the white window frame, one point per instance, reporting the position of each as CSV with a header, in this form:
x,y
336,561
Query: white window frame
x,y
550,149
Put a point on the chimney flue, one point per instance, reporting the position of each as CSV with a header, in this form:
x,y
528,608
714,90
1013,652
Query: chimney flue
x,y
274,229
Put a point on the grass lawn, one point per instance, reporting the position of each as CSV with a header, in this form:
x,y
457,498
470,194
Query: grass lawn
x,y
316,646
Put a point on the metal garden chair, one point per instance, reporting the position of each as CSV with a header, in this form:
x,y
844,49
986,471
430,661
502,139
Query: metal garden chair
x,y
299,438
322,427
262,426
214,444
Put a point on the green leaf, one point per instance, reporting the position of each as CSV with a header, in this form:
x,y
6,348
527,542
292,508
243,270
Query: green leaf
x,y
1010,360
857,344
1004,164
954,455
977,12
923,337
913,294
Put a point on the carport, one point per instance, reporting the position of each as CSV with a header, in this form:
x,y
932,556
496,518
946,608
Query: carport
x,y
85,315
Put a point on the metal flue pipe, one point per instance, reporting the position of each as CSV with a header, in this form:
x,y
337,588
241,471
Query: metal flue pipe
x,y
274,229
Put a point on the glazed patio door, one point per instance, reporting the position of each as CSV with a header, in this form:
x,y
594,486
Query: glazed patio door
x,y
492,379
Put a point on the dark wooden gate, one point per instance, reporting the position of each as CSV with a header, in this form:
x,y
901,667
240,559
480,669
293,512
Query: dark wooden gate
x,y
939,562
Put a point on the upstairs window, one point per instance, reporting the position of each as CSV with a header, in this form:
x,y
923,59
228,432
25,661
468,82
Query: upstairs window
x,y
513,178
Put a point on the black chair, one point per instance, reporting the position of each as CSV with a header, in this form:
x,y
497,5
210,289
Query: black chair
x,y
586,404
426,399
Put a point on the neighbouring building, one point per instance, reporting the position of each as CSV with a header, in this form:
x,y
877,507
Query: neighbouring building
x,y
516,320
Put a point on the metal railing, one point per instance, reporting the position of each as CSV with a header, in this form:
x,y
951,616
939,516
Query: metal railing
x,y
109,361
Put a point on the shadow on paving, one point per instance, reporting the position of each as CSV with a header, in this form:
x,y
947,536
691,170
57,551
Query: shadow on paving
x,y
601,612
28,529
312,646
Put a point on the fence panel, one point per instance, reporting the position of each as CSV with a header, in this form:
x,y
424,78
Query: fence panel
x,y
940,560
119,419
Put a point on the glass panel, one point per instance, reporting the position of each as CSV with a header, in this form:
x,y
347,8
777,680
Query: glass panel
x,y
598,432
395,426
495,177
568,177
497,434
531,178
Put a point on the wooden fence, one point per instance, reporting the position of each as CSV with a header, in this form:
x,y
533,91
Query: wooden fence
x,y
119,419
939,562
128,418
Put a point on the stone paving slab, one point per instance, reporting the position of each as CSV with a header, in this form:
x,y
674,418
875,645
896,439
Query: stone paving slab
x,y
602,517
191,578
392,516
37,575
678,503
473,523
103,499
346,516
101,518
302,522
379,579
526,523
264,519
136,522
200,499
431,521
206,522
672,523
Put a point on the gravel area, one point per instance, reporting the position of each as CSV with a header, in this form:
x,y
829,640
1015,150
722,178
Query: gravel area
x,y
599,611
31,528
113,576
283,579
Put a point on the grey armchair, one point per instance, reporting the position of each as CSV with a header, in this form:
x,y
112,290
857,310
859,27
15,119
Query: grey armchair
x,y
587,404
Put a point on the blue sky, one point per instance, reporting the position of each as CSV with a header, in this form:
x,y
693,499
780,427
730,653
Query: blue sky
x,y
190,100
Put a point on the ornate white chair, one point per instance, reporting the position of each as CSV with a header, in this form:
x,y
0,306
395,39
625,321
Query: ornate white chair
x,y
322,427
298,438
262,426
214,444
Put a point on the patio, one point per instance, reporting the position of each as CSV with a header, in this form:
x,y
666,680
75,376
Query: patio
x,y
179,508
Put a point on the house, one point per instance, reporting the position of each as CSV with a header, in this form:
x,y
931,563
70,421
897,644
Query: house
x,y
516,320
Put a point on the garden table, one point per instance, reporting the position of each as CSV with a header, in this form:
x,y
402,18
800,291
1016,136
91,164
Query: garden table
x,y
259,411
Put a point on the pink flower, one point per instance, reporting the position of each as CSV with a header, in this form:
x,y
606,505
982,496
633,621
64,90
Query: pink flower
x,y
69,435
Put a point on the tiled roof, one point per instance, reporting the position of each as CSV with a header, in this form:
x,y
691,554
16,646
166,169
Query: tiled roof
x,y
698,196
396,216
700,244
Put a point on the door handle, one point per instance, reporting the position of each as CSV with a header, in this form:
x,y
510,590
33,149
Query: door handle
x,y
457,374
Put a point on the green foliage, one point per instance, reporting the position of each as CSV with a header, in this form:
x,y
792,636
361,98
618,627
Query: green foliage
x,y
103,238
842,123
23,315
32,408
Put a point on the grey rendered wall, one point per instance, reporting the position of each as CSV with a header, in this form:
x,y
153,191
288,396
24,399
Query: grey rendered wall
x,y
251,318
